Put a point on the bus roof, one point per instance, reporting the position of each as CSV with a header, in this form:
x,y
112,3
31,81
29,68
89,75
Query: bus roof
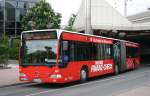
x,y
60,30
40,30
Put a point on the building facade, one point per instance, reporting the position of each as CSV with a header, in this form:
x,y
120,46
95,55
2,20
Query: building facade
x,y
11,13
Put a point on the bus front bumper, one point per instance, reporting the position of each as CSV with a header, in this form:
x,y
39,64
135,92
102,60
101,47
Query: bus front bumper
x,y
44,80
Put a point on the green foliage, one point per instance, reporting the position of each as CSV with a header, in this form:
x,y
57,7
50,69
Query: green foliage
x,y
13,50
70,23
4,50
7,52
41,16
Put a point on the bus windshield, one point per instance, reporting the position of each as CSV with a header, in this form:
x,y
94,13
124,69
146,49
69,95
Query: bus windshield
x,y
38,51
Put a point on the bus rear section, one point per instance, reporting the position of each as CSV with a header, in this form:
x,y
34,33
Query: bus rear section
x,y
126,55
132,55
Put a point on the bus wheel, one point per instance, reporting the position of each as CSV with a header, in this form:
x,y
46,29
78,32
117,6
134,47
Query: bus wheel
x,y
116,69
83,75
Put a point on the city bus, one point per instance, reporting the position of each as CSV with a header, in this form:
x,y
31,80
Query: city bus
x,y
60,56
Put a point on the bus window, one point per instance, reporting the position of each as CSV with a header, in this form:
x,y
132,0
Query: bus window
x,y
79,51
108,52
65,45
65,53
132,52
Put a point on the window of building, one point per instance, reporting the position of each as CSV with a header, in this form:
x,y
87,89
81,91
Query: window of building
x,y
1,13
1,31
1,3
18,25
11,4
31,5
19,30
20,5
17,15
1,24
10,31
10,24
25,5
10,14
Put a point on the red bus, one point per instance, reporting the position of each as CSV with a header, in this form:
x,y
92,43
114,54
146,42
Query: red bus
x,y
59,56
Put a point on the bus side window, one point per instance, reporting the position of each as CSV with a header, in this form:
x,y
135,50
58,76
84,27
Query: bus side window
x,y
132,52
65,55
71,51
65,45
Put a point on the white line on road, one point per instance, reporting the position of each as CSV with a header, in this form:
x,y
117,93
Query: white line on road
x,y
34,94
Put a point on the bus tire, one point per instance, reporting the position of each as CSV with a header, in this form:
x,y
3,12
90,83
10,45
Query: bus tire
x,y
83,75
116,69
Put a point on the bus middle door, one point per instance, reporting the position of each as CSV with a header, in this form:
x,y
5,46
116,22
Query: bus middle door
x,y
119,56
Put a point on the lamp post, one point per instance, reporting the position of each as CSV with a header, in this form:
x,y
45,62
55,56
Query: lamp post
x,y
4,16
16,16
125,8
88,27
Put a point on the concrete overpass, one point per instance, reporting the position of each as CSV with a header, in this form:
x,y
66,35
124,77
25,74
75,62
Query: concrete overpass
x,y
107,21
143,37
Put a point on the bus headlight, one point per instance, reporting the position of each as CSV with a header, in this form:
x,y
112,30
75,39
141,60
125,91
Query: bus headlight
x,y
56,76
22,75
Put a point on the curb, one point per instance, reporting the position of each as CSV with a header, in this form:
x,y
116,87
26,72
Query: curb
x,y
16,84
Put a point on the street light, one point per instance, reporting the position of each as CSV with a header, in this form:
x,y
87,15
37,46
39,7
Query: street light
x,y
4,14
125,7
88,27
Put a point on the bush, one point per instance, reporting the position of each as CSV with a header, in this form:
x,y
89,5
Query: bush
x,y
8,52
4,50
13,50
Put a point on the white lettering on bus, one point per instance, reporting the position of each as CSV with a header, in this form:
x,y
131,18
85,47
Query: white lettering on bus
x,y
100,66
97,40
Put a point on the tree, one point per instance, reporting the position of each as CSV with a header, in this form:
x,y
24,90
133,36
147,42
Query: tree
x,y
71,22
41,16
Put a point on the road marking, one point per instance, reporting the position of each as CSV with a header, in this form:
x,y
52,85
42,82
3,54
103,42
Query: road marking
x,y
72,86
89,83
42,92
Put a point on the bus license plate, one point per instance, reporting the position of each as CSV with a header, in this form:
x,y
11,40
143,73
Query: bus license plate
x,y
37,80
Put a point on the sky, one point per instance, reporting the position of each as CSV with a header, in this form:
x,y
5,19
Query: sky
x,y
68,7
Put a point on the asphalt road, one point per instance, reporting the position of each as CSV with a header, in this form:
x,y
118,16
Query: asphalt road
x,y
102,86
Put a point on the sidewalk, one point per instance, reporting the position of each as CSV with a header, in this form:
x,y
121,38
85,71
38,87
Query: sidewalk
x,y
9,76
